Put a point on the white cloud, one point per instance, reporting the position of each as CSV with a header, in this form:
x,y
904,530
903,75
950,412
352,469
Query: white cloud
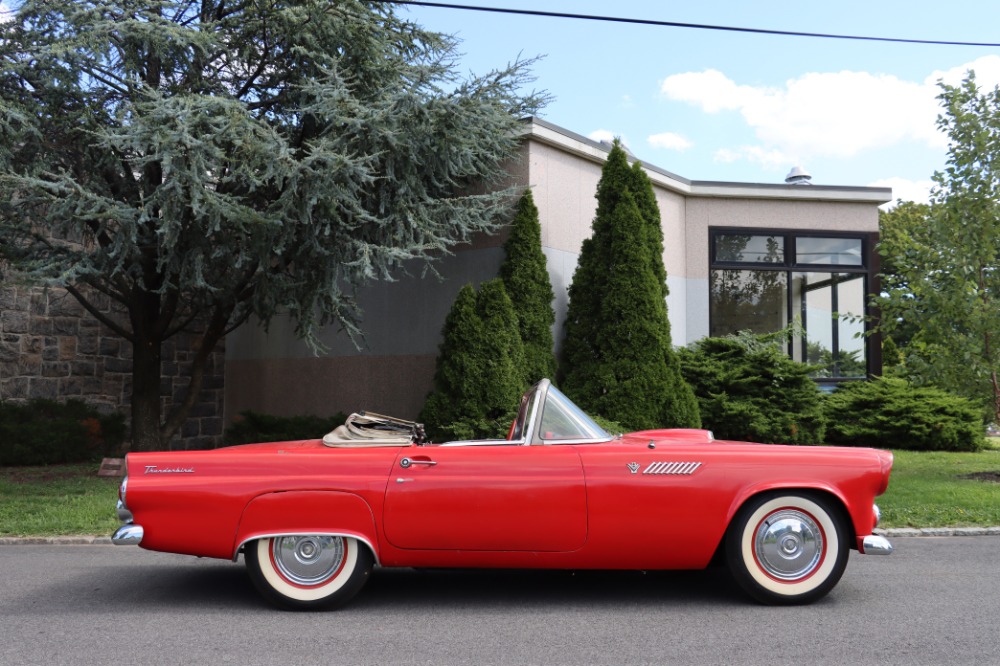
x,y
669,141
770,160
6,11
832,114
607,136
987,71
602,135
907,190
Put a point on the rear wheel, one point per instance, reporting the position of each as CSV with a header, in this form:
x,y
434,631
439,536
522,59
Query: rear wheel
x,y
308,572
788,548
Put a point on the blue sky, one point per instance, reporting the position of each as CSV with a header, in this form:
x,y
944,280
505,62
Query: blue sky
x,y
740,107
712,105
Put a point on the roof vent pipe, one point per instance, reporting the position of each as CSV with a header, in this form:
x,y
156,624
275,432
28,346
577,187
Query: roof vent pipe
x,y
798,176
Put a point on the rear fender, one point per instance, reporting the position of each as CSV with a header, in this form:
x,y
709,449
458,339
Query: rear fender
x,y
324,512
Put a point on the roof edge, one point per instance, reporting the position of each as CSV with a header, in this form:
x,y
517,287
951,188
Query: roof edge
x,y
563,139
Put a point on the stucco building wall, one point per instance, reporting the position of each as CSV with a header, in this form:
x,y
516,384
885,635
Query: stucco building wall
x,y
393,370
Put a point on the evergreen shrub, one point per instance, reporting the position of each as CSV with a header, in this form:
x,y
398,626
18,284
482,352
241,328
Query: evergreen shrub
x,y
749,390
255,427
892,413
46,432
526,278
479,376
618,358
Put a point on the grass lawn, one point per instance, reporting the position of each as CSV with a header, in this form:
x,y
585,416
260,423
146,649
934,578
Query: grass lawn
x,y
57,500
937,489
926,490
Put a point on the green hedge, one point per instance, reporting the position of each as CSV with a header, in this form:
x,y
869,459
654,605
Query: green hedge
x,y
749,390
891,413
46,432
253,427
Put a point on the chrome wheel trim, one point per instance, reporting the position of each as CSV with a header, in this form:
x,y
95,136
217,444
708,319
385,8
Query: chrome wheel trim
x,y
831,562
308,560
788,545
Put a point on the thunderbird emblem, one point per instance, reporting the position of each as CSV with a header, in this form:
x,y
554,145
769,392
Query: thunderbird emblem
x,y
633,467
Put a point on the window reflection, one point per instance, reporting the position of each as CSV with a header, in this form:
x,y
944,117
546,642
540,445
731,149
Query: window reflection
x,y
829,305
828,251
748,300
749,248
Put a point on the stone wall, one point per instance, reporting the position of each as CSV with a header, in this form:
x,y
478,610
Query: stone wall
x,y
50,347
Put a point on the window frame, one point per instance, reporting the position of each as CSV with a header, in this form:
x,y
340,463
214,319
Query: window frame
x,y
869,269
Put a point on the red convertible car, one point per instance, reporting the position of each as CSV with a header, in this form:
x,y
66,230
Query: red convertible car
x,y
313,517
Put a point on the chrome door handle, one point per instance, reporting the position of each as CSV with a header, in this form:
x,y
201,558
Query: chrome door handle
x,y
406,462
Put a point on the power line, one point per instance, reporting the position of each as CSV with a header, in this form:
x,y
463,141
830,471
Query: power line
x,y
695,26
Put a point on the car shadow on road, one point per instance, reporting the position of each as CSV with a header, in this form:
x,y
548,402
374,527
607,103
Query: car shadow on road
x,y
207,585
520,588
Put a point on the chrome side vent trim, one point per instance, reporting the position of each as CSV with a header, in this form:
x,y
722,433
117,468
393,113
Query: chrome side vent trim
x,y
679,468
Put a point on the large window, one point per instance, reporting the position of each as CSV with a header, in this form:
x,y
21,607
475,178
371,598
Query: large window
x,y
763,281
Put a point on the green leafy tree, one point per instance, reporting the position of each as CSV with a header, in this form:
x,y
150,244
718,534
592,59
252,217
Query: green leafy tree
x,y
479,376
749,389
618,358
526,279
897,229
950,264
199,163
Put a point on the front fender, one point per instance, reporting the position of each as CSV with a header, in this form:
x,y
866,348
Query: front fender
x,y
851,511
307,512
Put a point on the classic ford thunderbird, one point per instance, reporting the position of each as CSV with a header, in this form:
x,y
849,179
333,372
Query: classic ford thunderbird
x,y
313,517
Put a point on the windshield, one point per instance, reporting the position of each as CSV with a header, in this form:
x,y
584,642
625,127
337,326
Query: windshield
x,y
561,419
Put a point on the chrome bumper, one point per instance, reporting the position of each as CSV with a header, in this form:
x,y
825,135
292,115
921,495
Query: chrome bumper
x,y
127,535
876,545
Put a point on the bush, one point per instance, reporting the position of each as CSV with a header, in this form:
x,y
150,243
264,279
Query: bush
x,y
526,278
618,358
478,377
46,432
893,413
256,427
748,389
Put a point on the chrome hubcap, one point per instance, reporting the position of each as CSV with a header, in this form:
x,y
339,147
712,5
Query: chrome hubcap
x,y
308,560
789,544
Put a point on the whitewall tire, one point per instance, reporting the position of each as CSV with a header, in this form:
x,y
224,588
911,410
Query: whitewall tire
x,y
305,572
787,548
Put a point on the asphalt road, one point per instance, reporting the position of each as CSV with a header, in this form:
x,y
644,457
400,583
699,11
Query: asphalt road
x,y
934,601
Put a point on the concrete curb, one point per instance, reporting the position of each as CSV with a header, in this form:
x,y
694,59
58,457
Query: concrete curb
x,y
938,531
891,532
56,541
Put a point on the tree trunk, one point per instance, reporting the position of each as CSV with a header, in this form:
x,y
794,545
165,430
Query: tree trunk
x,y
146,372
995,381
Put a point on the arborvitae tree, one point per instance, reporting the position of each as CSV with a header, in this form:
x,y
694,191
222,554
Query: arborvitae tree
x,y
645,198
526,280
617,311
580,352
479,375
455,374
633,378
502,378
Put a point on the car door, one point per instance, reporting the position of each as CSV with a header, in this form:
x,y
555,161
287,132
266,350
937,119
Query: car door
x,y
487,498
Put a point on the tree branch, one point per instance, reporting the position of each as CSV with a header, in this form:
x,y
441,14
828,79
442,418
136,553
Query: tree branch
x,y
98,315
213,334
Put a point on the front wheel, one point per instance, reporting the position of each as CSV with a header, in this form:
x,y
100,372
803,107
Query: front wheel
x,y
308,572
787,549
